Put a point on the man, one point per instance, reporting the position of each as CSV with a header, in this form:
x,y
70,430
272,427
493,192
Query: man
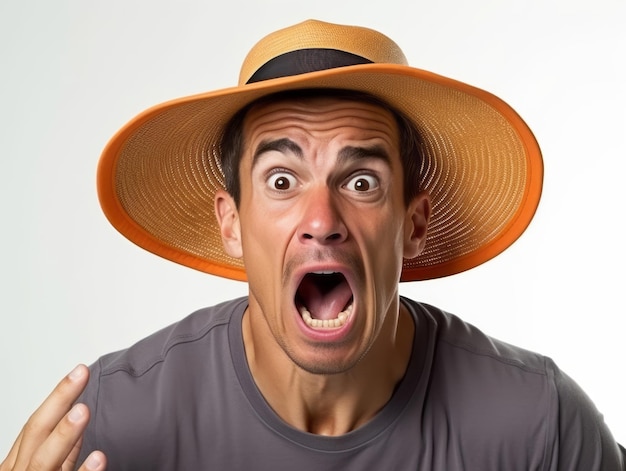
x,y
331,173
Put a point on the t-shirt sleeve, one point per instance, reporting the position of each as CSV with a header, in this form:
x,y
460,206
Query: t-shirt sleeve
x,y
584,441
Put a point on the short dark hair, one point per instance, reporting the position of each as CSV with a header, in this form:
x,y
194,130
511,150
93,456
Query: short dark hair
x,y
231,145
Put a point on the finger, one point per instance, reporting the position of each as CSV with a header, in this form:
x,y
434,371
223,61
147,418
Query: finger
x,y
46,418
96,461
72,458
9,461
56,448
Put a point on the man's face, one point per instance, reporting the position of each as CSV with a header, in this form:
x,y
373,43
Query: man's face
x,y
322,227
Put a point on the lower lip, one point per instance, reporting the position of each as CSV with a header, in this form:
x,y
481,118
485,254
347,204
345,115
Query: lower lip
x,y
329,335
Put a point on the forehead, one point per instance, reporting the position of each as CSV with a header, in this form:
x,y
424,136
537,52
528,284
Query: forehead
x,y
320,117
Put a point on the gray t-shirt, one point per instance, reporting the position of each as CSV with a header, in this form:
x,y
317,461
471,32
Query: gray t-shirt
x,y
184,399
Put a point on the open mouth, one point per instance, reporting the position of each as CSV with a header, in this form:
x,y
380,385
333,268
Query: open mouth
x,y
324,299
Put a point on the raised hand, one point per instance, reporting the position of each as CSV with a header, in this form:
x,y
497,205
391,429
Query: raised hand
x,y
51,438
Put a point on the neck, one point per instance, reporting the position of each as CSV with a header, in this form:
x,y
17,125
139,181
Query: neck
x,y
332,404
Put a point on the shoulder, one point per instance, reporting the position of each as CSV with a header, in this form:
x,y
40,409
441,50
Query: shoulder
x,y
141,395
493,400
156,348
455,335
495,394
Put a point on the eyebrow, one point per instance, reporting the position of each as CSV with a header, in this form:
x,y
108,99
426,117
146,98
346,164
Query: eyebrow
x,y
355,153
282,145
346,154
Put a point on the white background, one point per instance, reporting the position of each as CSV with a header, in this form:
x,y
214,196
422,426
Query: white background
x,y
73,72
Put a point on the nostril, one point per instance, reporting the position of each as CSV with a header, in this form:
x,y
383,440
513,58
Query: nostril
x,y
330,238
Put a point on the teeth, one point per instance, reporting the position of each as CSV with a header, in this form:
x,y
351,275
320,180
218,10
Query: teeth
x,y
324,272
325,323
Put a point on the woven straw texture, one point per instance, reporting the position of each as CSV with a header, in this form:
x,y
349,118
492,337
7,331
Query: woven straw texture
x,y
483,168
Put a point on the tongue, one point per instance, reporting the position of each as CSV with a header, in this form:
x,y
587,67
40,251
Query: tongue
x,y
325,296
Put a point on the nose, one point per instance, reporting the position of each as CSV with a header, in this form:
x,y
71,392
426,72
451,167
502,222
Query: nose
x,y
321,220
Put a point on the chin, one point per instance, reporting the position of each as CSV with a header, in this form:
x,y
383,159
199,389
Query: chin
x,y
326,360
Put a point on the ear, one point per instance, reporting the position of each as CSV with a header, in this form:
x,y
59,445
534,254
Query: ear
x,y
228,220
416,225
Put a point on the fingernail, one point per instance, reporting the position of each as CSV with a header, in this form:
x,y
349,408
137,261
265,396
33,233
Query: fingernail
x,y
76,373
76,414
93,461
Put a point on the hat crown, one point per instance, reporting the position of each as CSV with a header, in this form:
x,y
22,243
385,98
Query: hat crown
x,y
313,34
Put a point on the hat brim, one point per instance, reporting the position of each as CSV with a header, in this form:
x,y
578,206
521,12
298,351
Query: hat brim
x,y
158,175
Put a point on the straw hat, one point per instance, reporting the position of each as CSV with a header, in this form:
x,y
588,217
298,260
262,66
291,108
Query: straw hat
x,y
482,166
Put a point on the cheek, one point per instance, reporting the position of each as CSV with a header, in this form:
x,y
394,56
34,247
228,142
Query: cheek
x,y
383,228
265,239
383,240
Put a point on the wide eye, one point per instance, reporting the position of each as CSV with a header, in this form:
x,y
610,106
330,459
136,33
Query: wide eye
x,y
362,183
281,181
